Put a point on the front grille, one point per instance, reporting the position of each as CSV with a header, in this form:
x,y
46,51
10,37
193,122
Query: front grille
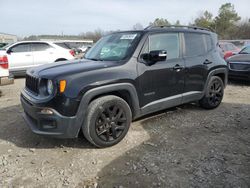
x,y
240,66
32,84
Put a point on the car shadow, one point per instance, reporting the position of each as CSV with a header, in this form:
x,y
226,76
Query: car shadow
x,y
14,130
187,147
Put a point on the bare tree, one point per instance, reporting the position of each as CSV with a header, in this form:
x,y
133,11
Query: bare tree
x,y
138,26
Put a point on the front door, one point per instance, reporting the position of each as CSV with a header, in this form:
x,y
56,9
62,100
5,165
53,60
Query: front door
x,y
161,84
20,57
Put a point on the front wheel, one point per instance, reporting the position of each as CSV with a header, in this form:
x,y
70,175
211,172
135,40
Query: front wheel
x,y
107,122
213,94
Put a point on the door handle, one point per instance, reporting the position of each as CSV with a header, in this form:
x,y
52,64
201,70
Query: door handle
x,y
177,67
27,55
206,62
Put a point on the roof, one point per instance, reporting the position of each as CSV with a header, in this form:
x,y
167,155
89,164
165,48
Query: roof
x,y
177,27
170,28
28,41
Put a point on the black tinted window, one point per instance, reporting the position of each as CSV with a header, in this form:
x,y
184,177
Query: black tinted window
x,y
195,44
63,45
167,41
21,48
40,46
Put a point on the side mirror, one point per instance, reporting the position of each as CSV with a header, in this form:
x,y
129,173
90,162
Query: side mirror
x,y
9,51
154,56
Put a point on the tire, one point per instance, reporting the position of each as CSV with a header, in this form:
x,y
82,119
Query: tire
x,y
107,122
213,94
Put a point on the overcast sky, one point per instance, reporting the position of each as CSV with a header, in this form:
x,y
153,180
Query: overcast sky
x,y
27,17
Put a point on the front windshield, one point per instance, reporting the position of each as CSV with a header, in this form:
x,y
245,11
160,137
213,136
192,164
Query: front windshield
x,y
245,50
114,47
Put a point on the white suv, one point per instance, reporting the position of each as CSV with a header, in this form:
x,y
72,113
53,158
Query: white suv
x,y
27,54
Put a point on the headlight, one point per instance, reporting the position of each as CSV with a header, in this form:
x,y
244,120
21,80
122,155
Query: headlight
x,y
50,87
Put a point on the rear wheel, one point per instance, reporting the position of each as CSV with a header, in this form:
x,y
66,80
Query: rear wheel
x,y
214,93
108,121
60,59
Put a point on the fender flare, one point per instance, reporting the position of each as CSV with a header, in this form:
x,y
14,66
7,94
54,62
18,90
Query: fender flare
x,y
223,70
90,94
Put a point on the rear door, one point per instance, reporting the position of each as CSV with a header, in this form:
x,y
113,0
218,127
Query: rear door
x,y
163,80
20,57
198,60
43,53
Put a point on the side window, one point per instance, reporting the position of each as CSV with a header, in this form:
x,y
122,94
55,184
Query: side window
x,y
231,47
194,44
165,41
222,46
40,46
227,48
21,48
245,50
63,45
208,42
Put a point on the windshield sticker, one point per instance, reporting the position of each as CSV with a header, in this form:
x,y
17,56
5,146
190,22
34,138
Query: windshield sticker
x,y
128,37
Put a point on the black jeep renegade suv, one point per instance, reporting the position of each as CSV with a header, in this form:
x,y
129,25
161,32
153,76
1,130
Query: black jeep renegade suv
x,y
125,75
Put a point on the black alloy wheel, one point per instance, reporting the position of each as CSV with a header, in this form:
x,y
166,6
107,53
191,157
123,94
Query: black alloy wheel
x,y
107,122
215,93
110,123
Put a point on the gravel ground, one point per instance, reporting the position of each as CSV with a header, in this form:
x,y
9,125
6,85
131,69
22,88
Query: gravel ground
x,y
181,147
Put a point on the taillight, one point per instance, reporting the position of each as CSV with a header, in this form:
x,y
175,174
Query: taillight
x,y
4,62
72,52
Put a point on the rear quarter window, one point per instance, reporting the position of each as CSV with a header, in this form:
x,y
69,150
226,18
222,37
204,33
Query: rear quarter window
x,y
208,42
63,45
197,44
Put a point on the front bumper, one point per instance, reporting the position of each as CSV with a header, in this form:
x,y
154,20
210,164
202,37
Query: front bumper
x,y
6,80
54,124
239,75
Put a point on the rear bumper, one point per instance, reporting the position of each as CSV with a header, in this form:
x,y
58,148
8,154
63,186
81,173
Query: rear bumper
x,y
239,75
54,124
6,80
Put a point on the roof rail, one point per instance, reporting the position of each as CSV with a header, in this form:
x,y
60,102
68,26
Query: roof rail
x,y
177,26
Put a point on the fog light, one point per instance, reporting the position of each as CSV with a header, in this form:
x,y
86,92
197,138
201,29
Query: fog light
x,y
46,111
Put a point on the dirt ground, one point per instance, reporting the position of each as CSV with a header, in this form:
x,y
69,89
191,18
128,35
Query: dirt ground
x,y
181,147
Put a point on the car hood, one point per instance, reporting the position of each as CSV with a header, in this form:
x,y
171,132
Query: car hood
x,y
239,58
63,68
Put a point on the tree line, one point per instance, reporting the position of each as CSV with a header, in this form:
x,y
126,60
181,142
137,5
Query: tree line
x,y
227,24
